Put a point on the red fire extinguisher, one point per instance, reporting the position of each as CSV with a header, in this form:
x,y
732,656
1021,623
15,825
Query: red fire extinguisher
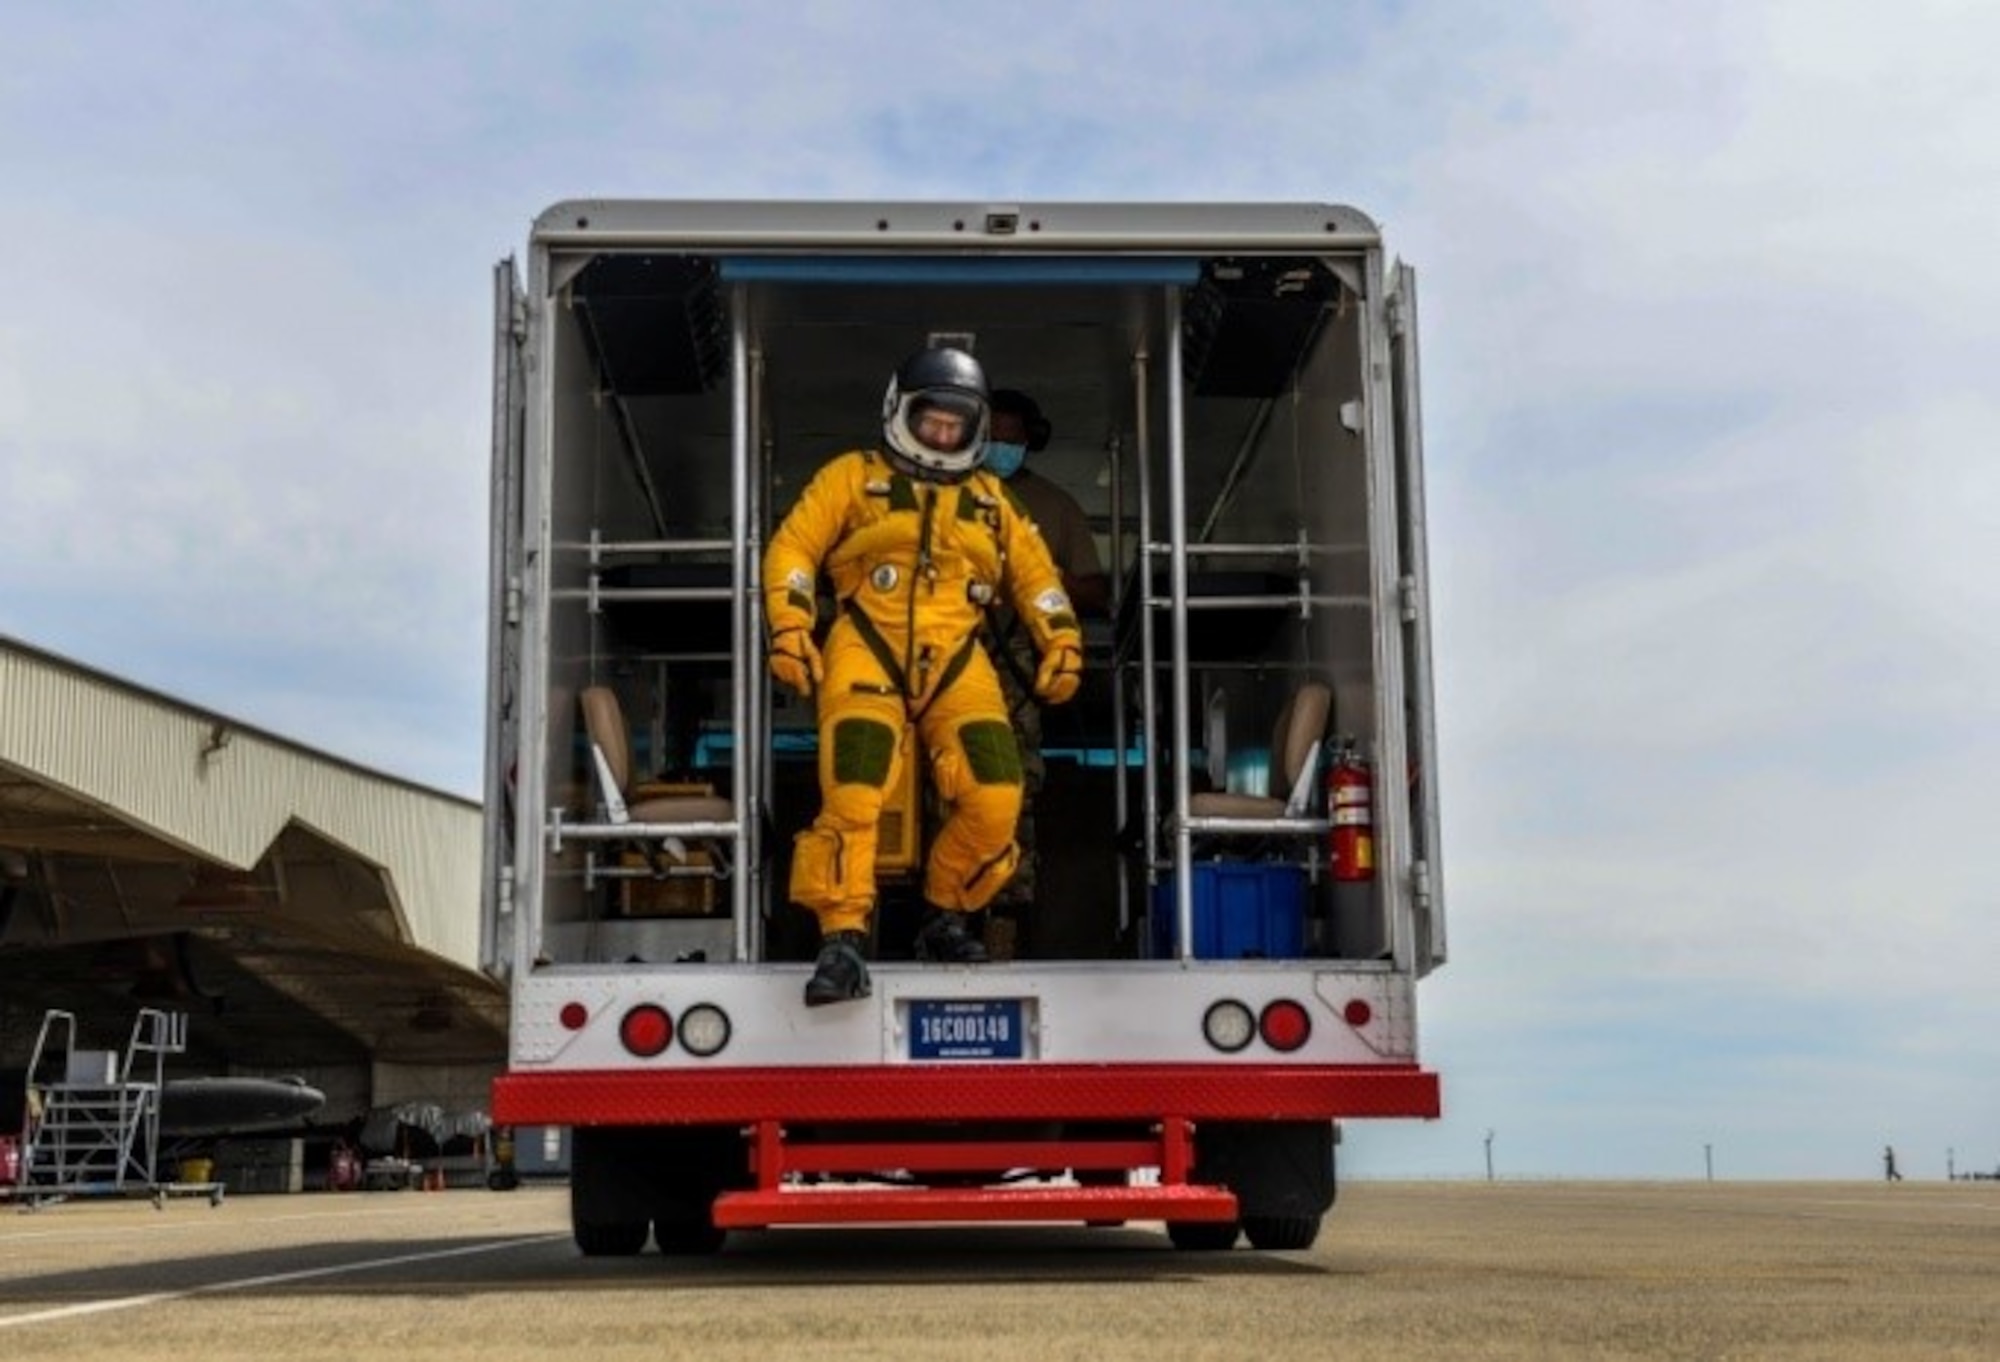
x,y
1350,802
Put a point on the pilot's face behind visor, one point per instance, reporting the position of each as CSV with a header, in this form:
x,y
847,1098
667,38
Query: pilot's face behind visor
x,y
943,422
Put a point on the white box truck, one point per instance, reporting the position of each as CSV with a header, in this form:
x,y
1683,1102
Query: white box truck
x,y
1239,884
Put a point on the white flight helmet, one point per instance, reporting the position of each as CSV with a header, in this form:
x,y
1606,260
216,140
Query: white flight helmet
x,y
936,382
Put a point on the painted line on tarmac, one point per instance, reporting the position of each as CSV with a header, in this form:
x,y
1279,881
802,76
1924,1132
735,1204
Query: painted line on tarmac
x,y
123,1231
271,1279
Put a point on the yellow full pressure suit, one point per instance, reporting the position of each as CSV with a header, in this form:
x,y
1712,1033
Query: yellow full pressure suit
x,y
913,565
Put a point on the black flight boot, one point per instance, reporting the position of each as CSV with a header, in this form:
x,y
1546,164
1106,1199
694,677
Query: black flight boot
x,y
841,973
946,939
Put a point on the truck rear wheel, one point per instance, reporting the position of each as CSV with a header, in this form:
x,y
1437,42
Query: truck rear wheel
x,y
691,1166
630,1181
602,1171
1203,1236
608,1238
1281,1232
1282,1173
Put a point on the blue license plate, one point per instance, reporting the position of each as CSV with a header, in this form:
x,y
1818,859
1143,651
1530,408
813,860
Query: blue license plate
x,y
975,1028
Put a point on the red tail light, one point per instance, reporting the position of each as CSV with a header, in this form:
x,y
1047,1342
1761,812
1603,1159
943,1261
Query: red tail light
x,y
646,1030
1285,1025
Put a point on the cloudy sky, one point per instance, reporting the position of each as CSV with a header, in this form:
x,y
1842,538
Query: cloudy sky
x,y
1709,293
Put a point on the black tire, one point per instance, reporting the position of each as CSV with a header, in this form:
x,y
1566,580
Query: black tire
x,y
692,1166
607,1174
1278,1233
681,1237
503,1180
609,1239
665,1176
1203,1236
1282,1173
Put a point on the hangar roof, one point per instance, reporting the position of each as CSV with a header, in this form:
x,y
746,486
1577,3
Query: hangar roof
x,y
301,908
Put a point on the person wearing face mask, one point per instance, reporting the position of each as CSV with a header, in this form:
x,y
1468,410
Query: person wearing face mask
x,y
1018,430
918,541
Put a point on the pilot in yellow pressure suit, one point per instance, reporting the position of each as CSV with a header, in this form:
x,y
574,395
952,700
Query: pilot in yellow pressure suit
x,y
917,540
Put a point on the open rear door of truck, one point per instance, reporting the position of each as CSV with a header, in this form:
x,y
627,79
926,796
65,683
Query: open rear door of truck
x,y
1420,718
503,634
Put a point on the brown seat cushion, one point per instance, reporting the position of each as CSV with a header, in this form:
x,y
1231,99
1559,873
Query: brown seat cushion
x,y
682,809
1223,804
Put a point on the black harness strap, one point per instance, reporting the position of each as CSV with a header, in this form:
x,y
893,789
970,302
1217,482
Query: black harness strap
x,y
886,655
878,645
952,668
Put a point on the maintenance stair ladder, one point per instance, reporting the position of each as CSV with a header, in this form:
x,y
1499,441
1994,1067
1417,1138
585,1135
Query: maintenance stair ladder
x,y
97,1127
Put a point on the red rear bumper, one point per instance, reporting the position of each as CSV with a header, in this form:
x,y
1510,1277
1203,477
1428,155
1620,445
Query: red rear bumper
x,y
964,1092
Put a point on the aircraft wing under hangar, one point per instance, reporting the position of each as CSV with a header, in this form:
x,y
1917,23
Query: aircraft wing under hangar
x,y
303,911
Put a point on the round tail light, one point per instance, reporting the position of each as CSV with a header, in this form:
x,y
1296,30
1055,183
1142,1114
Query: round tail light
x,y
1285,1025
646,1030
1228,1025
704,1029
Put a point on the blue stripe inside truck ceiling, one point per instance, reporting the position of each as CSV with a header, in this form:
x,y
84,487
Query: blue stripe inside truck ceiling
x,y
927,269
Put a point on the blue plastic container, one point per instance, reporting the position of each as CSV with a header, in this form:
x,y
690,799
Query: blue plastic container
x,y
1242,910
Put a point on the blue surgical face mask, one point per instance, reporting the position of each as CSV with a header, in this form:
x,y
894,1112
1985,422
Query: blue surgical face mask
x,y
1004,459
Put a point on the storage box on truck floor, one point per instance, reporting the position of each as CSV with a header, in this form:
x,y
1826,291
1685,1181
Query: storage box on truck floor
x,y
1242,911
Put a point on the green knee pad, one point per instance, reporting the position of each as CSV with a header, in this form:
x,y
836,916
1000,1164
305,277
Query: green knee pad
x,y
991,753
863,752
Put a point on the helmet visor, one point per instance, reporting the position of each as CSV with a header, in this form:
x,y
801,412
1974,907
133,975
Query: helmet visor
x,y
946,421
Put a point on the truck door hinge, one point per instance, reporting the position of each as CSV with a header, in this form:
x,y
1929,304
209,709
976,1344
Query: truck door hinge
x,y
513,606
1409,597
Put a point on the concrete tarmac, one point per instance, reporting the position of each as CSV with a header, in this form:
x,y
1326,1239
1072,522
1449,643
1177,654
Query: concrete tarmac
x,y
1402,1270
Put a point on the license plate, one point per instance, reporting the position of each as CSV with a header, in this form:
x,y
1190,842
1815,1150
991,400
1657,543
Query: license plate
x,y
961,1028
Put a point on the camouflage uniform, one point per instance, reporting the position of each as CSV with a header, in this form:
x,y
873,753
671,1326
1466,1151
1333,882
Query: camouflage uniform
x,y
1067,535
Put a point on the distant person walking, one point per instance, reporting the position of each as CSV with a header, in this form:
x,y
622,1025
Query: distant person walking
x,y
1889,1173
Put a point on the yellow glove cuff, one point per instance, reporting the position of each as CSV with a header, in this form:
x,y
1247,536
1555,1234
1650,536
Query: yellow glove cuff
x,y
1060,674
